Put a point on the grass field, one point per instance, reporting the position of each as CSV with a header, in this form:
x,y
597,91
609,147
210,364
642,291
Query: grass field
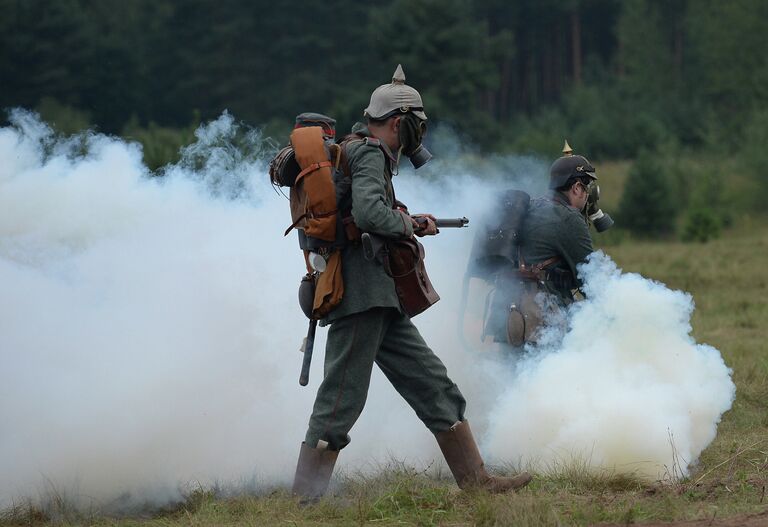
x,y
728,278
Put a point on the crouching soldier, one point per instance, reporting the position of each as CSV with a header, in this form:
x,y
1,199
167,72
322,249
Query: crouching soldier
x,y
529,250
555,235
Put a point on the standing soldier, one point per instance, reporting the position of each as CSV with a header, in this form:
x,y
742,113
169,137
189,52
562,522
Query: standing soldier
x,y
369,325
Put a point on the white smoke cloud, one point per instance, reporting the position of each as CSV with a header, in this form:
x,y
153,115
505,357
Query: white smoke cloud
x,y
149,329
627,388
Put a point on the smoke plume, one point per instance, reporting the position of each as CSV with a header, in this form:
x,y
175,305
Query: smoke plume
x,y
149,330
626,388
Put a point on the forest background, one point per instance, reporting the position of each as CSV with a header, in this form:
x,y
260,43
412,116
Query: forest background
x,y
675,91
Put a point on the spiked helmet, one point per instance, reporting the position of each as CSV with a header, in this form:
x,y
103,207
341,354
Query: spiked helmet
x,y
569,166
397,97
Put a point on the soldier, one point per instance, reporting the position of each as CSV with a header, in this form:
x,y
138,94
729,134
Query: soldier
x,y
555,236
369,325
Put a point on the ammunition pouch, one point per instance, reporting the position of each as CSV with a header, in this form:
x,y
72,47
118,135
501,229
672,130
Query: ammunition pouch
x,y
404,262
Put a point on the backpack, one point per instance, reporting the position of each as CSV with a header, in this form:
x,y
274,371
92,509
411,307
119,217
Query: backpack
x,y
314,168
511,314
497,242
306,166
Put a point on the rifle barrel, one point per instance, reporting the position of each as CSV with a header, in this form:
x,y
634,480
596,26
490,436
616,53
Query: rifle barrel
x,y
452,222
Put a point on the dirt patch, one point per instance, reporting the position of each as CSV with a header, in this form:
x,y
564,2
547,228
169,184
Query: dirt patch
x,y
749,520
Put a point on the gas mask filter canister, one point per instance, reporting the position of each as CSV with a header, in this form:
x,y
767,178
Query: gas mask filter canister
x,y
412,131
597,217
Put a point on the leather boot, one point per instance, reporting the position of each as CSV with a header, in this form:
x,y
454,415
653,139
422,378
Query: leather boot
x,y
313,471
467,467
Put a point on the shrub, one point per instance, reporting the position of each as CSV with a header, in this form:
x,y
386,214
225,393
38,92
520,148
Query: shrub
x,y
160,145
63,118
648,205
701,225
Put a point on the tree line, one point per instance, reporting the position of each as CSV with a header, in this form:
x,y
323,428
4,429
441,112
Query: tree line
x,y
615,76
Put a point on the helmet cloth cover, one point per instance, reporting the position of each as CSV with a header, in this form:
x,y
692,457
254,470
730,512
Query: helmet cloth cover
x,y
396,97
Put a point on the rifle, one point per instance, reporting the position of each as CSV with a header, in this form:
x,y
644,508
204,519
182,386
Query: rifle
x,y
443,222
373,243
372,248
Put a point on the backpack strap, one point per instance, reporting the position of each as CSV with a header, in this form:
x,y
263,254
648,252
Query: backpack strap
x,y
343,153
352,231
312,168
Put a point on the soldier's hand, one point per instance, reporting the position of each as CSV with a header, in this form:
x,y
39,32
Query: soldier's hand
x,y
424,225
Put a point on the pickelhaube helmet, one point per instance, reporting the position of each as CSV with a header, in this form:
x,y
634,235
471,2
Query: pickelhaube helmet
x,y
569,166
397,97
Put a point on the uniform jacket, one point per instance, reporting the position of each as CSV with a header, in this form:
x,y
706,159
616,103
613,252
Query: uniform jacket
x,y
554,228
366,284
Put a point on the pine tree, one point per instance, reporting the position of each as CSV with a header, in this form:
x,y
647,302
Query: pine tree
x,y
647,206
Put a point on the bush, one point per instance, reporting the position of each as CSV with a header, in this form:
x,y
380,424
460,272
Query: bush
x,y
648,205
701,225
542,134
64,119
160,145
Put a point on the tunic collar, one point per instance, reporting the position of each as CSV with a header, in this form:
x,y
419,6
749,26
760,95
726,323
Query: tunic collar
x,y
562,199
362,130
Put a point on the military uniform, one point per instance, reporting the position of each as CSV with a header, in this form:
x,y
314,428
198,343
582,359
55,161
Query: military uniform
x,y
369,325
553,228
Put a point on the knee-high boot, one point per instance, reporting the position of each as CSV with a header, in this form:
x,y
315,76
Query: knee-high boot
x,y
463,458
313,471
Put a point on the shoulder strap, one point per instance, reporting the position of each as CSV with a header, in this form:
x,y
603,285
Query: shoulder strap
x,y
344,155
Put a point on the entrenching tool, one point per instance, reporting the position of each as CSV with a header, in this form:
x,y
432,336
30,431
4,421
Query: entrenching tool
x,y
307,347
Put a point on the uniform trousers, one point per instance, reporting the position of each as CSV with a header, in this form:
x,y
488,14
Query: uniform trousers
x,y
387,337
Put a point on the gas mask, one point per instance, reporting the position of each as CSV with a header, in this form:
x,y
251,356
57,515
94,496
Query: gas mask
x,y
597,217
412,131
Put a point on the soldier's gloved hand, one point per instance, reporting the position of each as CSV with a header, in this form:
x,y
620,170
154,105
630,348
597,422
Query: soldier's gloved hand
x,y
424,225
